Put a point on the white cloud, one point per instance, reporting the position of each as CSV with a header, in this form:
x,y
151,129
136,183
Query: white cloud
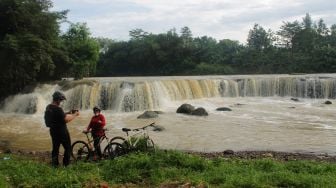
x,y
215,18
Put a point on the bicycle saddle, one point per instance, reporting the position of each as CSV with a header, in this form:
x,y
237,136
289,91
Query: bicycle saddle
x,y
126,129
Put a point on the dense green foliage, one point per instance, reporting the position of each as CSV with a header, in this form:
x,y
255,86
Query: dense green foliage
x,y
32,48
298,47
83,51
28,42
169,168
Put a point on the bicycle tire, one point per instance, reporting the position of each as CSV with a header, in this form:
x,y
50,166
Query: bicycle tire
x,y
120,140
80,151
106,152
114,149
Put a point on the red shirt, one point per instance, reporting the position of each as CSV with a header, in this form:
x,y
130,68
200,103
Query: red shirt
x,y
97,124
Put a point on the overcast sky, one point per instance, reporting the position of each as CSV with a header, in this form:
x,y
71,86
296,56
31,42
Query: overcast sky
x,y
221,19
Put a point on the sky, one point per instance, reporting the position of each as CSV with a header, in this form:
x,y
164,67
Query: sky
x,y
220,19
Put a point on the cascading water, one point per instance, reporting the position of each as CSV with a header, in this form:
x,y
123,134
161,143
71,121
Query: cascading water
x,y
263,116
136,94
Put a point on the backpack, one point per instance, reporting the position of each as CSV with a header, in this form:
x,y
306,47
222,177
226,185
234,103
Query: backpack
x,y
48,117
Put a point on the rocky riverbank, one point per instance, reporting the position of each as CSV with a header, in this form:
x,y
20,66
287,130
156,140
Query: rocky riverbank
x,y
44,156
282,156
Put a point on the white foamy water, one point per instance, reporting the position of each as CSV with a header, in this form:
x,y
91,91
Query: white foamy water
x,y
255,123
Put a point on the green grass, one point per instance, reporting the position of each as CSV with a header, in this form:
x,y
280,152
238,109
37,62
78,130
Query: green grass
x,y
168,167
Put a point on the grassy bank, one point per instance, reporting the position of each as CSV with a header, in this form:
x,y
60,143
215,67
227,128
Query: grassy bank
x,y
168,168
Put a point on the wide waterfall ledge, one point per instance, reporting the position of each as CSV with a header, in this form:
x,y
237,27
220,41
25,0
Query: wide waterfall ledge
x,y
126,94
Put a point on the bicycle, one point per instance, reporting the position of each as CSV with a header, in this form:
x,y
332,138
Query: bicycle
x,y
82,150
138,141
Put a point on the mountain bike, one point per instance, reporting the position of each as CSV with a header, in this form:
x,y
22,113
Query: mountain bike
x,y
136,140
84,150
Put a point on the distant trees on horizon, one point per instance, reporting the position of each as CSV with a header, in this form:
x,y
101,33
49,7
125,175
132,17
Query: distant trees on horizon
x,y
298,47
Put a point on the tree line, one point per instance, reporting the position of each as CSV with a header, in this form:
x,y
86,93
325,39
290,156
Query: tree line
x,y
34,50
298,47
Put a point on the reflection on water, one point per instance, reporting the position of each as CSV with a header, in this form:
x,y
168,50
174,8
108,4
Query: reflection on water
x,y
255,123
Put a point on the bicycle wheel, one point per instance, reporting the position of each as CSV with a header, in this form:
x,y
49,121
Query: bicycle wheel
x,y
120,140
113,150
80,151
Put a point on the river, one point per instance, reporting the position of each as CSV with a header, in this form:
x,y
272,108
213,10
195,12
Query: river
x,y
263,116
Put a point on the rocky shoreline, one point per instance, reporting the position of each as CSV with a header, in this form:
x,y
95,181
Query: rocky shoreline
x,y
281,156
44,156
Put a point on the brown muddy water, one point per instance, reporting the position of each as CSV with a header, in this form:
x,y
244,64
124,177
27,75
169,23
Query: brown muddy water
x,y
255,123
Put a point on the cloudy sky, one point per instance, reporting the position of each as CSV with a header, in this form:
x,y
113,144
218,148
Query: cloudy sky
x,y
221,19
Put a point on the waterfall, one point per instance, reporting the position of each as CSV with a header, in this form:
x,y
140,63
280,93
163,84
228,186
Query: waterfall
x,y
148,93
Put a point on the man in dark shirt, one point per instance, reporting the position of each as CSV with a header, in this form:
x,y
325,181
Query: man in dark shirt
x,y
56,120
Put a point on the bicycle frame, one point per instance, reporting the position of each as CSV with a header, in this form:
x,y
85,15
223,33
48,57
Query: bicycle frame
x,y
90,140
84,149
134,139
119,145
138,134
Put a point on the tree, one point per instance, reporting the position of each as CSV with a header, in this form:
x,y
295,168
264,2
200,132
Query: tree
x,y
83,50
287,32
333,30
104,44
332,36
205,50
114,62
322,28
186,36
137,34
29,43
258,38
228,50
307,22
304,41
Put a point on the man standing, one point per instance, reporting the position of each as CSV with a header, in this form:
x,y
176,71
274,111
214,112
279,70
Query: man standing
x,y
56,120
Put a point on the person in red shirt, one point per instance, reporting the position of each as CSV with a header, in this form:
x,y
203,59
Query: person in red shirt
x,y
96,126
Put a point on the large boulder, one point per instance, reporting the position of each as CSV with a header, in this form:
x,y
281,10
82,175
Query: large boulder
x,y
295,99
158,128
228,152
148,115
327,102
223,109
158,112
199,112
185,109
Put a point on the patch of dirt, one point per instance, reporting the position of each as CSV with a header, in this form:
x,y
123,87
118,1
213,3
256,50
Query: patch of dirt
x,y
42,156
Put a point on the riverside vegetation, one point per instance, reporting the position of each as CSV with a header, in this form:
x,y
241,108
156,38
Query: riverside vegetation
x,y
168,169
